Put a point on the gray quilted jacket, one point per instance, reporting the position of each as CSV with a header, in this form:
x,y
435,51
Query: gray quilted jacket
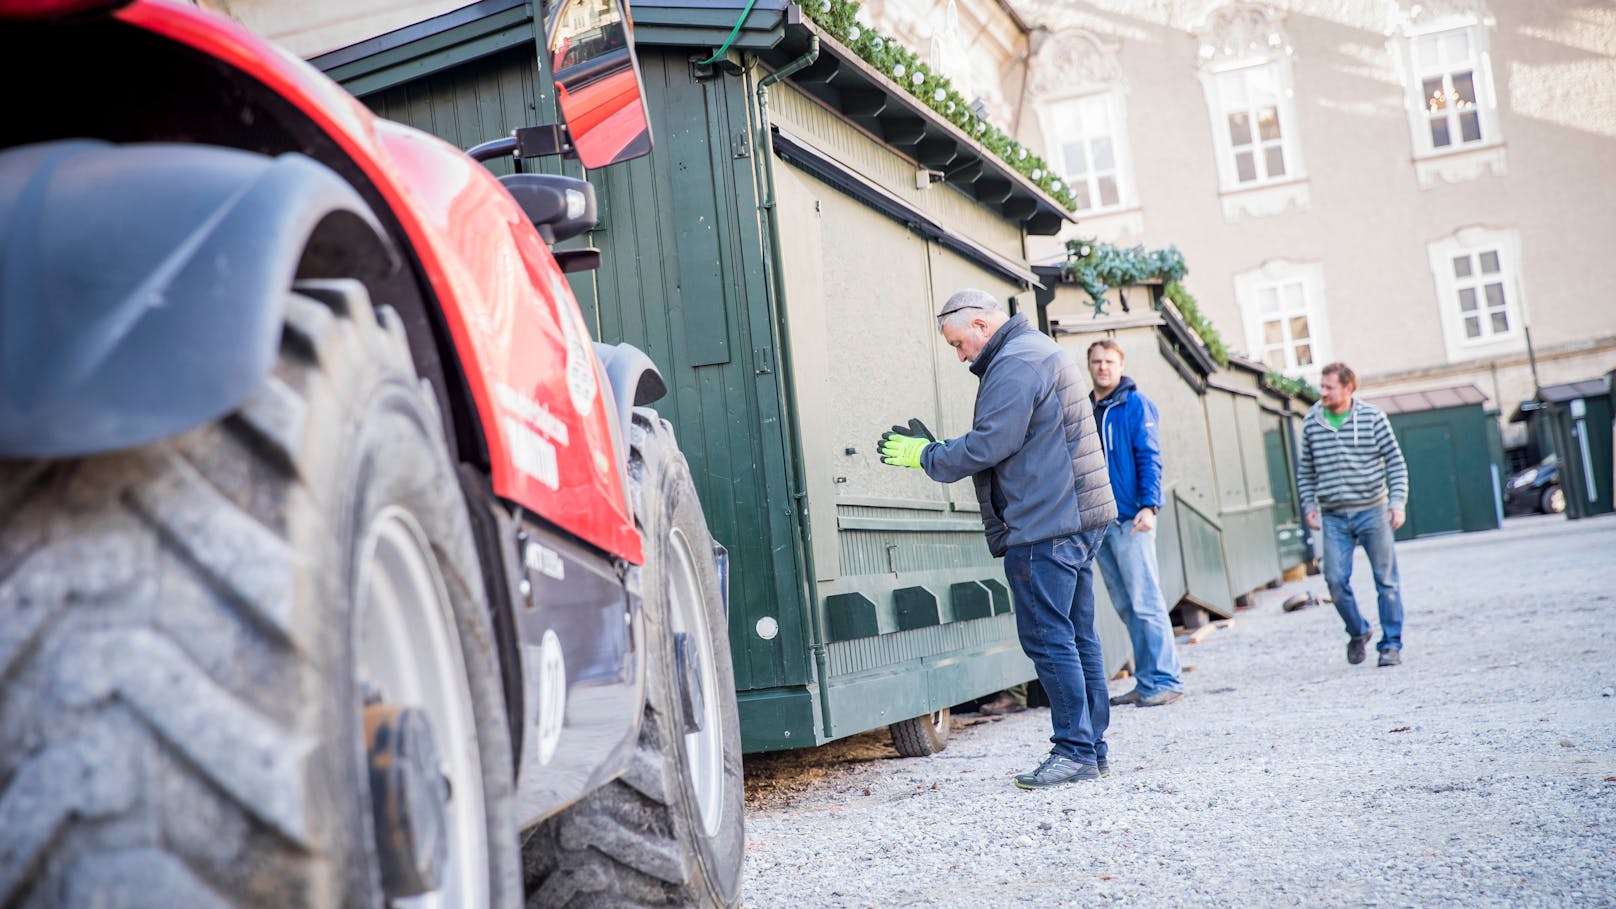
x,y
1033,449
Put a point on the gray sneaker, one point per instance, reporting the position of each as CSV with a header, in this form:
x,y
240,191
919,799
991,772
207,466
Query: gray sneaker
x,y
1127,697
1161,698
1055,770
1392,657
1104,767
1355,647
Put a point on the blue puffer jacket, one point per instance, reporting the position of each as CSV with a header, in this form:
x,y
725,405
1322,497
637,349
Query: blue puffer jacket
x,y
1132,448
1032,449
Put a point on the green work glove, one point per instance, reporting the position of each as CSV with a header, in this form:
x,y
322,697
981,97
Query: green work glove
x,y
901,445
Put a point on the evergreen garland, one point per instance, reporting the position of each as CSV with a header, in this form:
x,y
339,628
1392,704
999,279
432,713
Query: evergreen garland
x,y
1198,322
1296,388
839,19
1097,267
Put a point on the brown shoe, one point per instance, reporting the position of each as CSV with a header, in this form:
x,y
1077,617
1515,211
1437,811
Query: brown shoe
x,y
1000,706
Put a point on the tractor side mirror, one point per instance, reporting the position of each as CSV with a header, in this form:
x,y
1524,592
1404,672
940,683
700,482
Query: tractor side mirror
x,y
597,80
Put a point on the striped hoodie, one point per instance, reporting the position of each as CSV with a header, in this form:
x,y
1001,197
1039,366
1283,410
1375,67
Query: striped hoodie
x,y
1350,468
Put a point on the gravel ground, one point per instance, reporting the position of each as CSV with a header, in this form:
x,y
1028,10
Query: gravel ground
x,y
1481,772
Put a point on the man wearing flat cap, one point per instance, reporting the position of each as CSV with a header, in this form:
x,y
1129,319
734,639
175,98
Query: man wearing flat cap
x,y
1034,455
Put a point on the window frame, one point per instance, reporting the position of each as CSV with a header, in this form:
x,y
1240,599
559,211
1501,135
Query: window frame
x,y
1212,77
1414,72
1050,112
1248,287
1473,242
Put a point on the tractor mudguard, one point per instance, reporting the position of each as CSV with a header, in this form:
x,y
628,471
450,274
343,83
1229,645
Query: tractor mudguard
x,y
634,379
142,287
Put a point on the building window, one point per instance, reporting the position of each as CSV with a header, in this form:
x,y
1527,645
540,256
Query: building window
x,y
1282,305
1483,302
1445,67
1087,132
1076,88
1478,286
1250,101
1442,48
1287,342
1246,74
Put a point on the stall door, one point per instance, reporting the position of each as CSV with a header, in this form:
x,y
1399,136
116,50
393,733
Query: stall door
x,y
1433,505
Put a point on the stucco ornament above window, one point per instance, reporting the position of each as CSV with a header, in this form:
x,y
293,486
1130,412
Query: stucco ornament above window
x,y
1074,62
1409,16
1241,33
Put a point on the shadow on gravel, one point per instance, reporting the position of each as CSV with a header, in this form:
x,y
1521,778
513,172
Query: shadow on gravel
x,y
777,776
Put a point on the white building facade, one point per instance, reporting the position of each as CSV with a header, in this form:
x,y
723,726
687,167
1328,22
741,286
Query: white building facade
x,y
1414,187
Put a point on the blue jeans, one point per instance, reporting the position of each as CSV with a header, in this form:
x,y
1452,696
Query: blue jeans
x,y
1371,527
1128,564
1053,584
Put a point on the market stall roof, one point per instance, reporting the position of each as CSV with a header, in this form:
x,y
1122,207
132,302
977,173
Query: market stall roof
x,y
1570,391
1560,394
777,33
1434,399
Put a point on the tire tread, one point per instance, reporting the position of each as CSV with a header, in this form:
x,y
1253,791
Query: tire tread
x,y
100,694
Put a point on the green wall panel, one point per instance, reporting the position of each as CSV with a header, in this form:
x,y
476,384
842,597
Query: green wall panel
x,y
1450,470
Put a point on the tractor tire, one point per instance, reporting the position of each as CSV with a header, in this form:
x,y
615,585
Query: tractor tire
x,y
921,736
180,644
669,831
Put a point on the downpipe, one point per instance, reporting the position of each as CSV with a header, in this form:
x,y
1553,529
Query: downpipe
x,y
775,274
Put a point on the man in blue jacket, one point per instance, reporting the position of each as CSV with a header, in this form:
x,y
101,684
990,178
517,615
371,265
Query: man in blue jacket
x,y
1128,557
1040,478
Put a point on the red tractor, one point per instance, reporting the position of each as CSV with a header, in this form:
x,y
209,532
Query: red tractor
x,y
338,567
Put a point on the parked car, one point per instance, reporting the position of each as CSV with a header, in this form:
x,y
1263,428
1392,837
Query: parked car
x,y
1536,490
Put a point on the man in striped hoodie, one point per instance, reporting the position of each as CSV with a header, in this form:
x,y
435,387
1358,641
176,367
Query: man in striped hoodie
x,y
1352,471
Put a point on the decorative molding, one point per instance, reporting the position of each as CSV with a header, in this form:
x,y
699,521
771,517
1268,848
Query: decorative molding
x,y
1072,62
1275,271
1507,242
1241,33
1265,201
1410,17
1459,167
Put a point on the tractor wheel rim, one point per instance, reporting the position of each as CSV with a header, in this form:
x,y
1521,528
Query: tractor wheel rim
x,y
704,748
409,654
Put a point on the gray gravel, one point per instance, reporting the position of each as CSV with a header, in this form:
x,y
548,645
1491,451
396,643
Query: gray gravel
x,y
1481,772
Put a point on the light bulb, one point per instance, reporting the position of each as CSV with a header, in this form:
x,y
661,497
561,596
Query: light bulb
x,y
853,33
938,95
1055,185
1037,174
1021,154
899,70
917,77
876,44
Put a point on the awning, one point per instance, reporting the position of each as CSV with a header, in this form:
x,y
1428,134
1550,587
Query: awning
x,y
1435,399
